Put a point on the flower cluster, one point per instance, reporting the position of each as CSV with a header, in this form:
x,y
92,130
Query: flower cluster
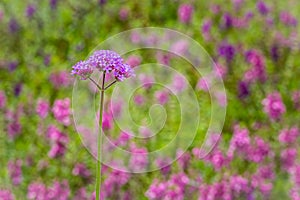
x,y
106,61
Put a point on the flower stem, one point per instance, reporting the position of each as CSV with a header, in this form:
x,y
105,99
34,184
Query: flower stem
x,y
110,84
100,142
96,84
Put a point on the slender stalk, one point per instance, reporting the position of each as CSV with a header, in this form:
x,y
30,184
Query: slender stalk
x,y
110,84
98,86
99,141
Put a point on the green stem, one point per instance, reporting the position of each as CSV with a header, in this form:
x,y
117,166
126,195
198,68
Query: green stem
x,y
100,142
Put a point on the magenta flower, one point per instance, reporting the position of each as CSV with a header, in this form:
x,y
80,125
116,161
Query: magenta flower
x,y
42,108
36,191
61,111
289,136
15,171
273,106
81,170
60,79
6,195
2,100
162,96
83,69
185,13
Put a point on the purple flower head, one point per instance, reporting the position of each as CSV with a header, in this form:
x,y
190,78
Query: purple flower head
x,y
123,71
243,89
18,89
262,8
274,52
30,10
185,13
105,60
53,4
83,69
13,26
273,106
81,170
12,65
288,19
227,21
227,51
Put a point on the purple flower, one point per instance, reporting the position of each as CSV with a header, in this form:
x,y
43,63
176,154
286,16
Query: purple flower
x,y
262,8
123,14
105,60
289,136
60,79
81,170
139,159
162,96
274,53
227,51
14,128
12,65
185,13
288,157
53,4
59,191
134,61
6,195
123,71
179,83
227,21
243,89
37,191
288,19
61,111
83,69
13,26
273,106
258,71
18,89
42,108
2,100
15,171
30,10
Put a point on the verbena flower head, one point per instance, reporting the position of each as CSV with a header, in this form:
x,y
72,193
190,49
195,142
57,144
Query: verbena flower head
x,y
82,69
106,61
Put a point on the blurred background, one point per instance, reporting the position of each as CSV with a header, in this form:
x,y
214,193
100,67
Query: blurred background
x,y
255,46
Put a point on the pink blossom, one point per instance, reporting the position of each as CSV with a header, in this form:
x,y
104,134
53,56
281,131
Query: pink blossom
x,y
288,157
61,110
42,108
60,79
134,61
289,135
15,171
4,193
162,97
185,13
2,100
81,170
274,106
